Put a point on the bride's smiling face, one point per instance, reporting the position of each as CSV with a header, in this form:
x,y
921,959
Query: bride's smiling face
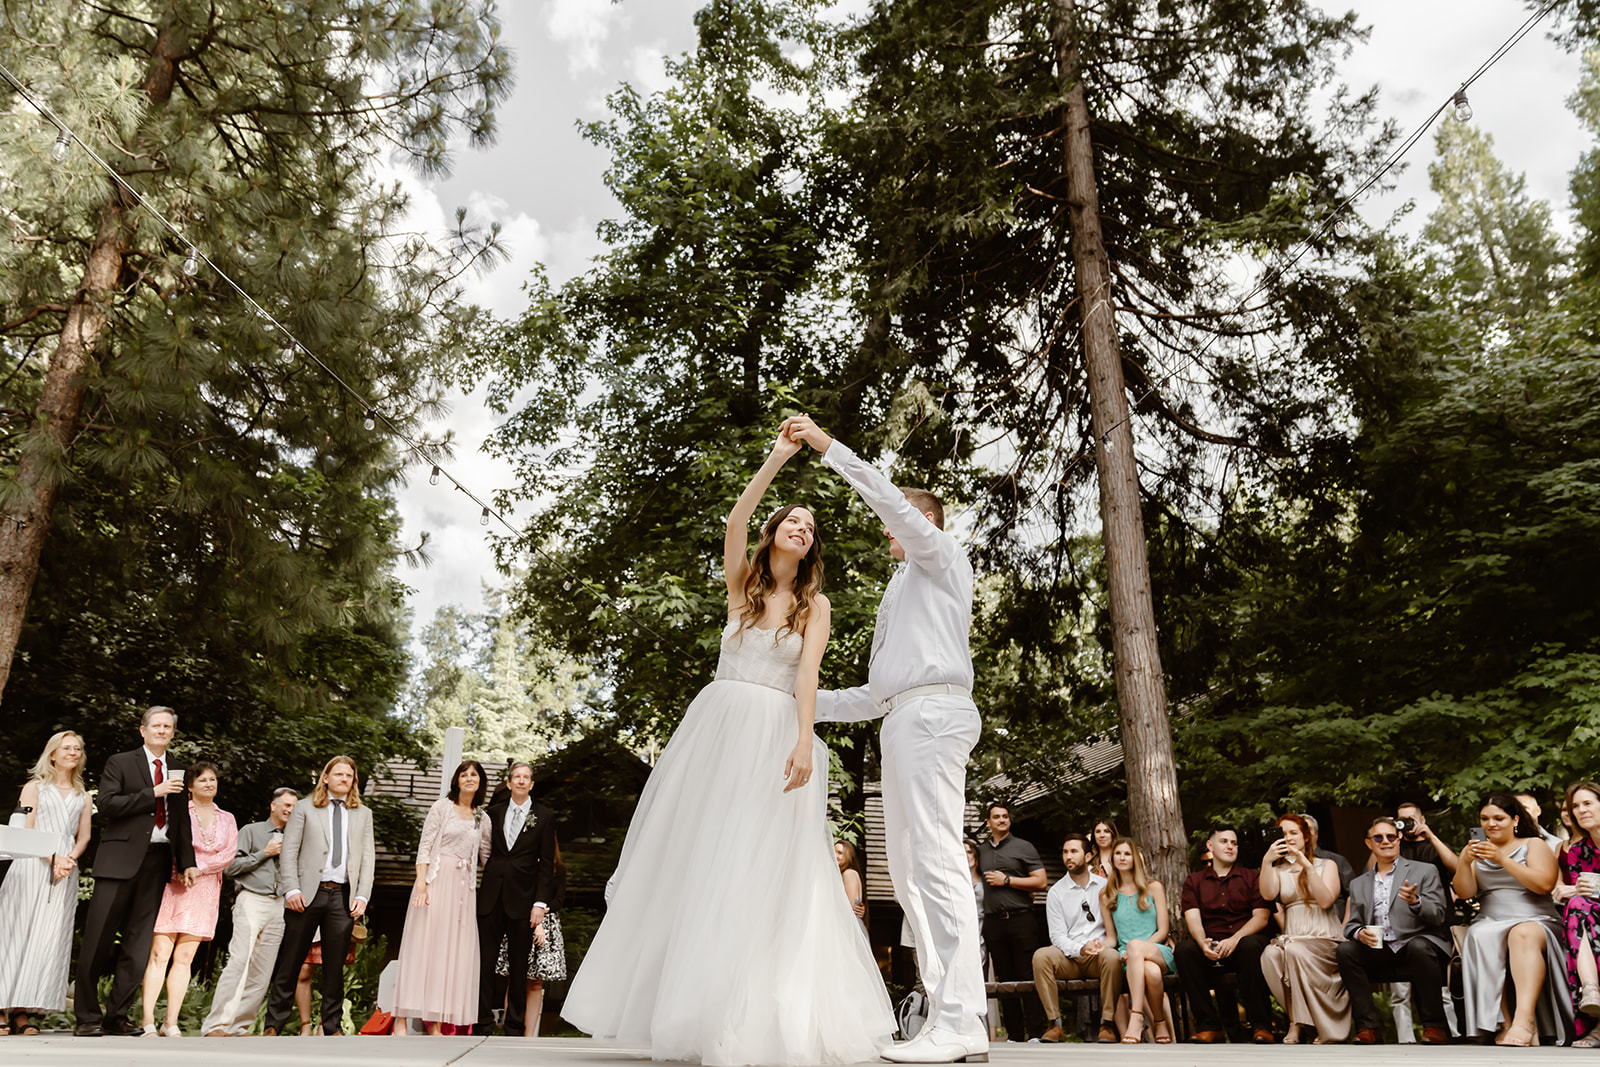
x,y
795,533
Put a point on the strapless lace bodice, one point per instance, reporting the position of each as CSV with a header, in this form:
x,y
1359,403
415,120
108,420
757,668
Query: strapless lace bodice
x,y
759,656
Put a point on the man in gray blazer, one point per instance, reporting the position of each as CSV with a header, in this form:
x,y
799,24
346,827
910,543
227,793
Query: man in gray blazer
x,y
325,871
1399,922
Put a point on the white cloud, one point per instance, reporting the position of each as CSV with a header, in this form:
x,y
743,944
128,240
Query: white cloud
x,y
582,26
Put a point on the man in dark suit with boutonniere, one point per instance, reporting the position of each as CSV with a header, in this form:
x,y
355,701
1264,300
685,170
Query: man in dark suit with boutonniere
x,y
518,882
145,841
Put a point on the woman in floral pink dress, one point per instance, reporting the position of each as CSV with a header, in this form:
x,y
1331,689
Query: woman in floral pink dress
x,y
1580,910
438,979
188,912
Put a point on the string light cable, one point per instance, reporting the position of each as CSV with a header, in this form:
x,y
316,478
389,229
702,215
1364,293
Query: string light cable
x,y
428,455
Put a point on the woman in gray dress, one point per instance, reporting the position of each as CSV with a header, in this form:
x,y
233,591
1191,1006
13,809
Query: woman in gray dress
x,y
1517,933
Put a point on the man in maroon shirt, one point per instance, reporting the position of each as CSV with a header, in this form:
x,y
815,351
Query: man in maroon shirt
x,y
1227,921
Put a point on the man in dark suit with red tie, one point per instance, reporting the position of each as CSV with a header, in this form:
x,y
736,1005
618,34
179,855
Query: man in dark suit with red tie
x,y
145,839
518,882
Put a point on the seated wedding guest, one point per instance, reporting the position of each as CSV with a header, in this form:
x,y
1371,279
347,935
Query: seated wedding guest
x,y
1300,966
1226,919
1078,946
188,914
1101,838
1578,893
1398,926
439,966
1517,934
1568,831
1012,870
548,961
329,853
1530,804
39,898
1135,907
1347,871
257,922
844,853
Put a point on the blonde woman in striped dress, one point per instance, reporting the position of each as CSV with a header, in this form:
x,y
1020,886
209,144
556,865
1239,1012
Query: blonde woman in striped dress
x,y
40,896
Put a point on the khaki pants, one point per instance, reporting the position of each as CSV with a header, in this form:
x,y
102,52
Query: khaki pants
x,y
1051,965
257,932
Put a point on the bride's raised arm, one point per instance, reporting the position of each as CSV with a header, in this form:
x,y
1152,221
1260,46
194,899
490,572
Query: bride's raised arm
x,y
736,541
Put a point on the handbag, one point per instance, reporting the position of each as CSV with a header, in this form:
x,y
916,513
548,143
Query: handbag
x,y
381,1023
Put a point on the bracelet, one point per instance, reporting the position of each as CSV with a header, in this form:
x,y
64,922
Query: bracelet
x,y
1008,881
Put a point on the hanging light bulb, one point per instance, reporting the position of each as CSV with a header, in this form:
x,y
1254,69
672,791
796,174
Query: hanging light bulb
x,y
1461,109
433,479
369,422
287,355
1341,227
567,585
191,265
62,148
483,520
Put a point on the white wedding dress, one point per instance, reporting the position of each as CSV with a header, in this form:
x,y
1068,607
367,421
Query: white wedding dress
x,y
728,939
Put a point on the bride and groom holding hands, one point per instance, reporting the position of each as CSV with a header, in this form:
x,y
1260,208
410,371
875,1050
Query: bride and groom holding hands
x,y
727,940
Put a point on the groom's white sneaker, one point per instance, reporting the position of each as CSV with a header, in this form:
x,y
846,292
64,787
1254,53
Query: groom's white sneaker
x,y
937,1045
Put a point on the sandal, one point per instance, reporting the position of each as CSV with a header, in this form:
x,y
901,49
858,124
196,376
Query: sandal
x,y
1589,1000
21,1025
1163,1031
1131,1036
1525,1036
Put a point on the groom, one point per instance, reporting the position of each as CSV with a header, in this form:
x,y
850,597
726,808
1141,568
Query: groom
x,y
920,684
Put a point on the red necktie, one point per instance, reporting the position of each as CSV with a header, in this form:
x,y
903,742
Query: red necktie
x,y
161,803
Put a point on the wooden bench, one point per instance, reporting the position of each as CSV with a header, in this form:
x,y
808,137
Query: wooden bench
x,y
1085,992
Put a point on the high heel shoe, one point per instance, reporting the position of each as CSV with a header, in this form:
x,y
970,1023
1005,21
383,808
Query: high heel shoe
x,y
1163,1030
1589,1000
1520,1036
1132,1036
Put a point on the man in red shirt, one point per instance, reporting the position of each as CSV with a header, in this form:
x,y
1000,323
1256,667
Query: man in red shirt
x,y
1227,921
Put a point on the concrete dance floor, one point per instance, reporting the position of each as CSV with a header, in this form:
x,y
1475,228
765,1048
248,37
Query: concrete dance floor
x,y
576,1052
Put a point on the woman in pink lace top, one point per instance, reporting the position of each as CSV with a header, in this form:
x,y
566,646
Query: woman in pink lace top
x,y
188,912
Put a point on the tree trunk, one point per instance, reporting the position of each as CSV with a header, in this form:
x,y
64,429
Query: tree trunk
x,y
1155,813
55,420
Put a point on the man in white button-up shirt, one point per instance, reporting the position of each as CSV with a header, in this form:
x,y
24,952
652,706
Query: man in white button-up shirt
x,y
920,684
1077,947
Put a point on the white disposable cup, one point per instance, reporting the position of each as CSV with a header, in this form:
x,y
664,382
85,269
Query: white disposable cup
x,y
1589,884
1377,932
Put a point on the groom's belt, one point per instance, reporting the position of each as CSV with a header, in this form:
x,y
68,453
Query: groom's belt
x,y
937,689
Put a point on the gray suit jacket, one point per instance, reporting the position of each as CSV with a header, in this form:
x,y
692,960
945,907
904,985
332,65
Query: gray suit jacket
x,y
305,851
1429,920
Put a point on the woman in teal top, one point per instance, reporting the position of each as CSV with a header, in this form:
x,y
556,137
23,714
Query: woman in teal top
x,y
1135,911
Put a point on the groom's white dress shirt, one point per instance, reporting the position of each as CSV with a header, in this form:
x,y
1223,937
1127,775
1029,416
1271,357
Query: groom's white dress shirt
x,y
921,636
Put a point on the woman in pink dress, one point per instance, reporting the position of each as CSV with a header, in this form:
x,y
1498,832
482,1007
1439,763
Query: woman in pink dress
x,y
188,912
438,981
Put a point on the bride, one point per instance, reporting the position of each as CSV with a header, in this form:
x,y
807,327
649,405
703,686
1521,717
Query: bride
x,y
726,940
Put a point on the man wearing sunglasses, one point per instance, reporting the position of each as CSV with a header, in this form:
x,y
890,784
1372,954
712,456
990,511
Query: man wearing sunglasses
x,y
1398,928
1077,947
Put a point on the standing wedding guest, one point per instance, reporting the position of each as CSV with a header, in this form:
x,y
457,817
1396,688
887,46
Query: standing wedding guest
x,y
257,922
439,964
855,890
188,914
146,837
1399,917
1301,966
1012,871
1517,934
1530,804
518,883
1101,839
1226,918
1078,945
40,896
548,963
1578,893
328,852
1135,907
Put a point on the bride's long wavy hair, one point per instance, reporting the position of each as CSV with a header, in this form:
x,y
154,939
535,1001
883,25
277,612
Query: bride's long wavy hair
x,y
759,584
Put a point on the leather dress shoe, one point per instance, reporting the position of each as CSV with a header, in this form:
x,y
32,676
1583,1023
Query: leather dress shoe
x,y
1108,1033
269,1031
1368,1037
1209,1037
88,1030
1052,1036
937,1045
1435,1035
121,1028
1264,1037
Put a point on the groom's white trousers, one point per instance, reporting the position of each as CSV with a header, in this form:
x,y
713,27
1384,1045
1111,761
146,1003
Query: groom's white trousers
x,y
926,742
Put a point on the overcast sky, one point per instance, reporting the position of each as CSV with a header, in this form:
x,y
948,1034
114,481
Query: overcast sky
x,y
543,182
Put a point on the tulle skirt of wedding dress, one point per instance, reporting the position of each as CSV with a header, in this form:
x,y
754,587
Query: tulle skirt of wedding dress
x,y
728,939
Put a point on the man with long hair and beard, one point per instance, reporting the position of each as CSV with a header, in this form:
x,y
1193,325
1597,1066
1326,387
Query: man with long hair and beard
x,y
726,940
919,682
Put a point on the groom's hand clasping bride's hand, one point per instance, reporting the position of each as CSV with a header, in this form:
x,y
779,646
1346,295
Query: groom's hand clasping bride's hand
x,y
785,447
800,428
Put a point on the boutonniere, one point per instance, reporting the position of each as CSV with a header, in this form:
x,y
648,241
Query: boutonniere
x,y
477,816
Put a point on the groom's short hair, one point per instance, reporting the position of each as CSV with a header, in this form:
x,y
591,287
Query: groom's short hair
x,y
926,502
